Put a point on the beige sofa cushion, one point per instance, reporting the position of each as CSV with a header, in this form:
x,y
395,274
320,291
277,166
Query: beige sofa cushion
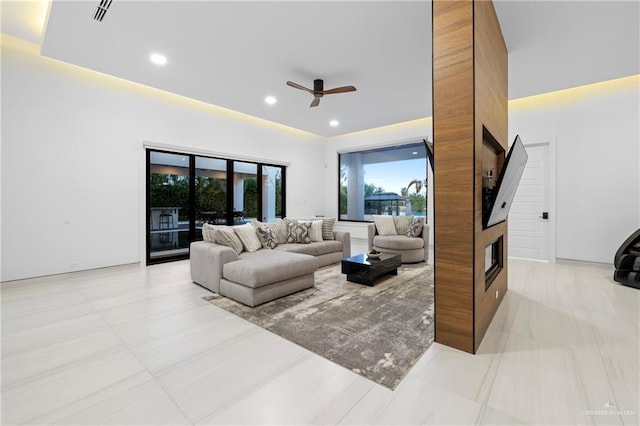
x,y
398,242
264,270
314,249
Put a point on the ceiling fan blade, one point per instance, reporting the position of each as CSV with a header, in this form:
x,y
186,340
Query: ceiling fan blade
x,y
343,89
315,102
297,86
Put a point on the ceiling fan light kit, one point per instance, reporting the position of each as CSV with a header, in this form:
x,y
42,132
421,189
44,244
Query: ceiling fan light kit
x,y
318,90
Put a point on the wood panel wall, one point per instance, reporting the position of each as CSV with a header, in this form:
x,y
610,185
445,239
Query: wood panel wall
x,y
469,94
453,133
491,112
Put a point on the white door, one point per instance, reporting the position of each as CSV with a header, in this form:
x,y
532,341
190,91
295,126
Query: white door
x,y
528,227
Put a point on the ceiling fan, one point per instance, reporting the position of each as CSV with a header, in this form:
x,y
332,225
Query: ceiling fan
x,y
318,90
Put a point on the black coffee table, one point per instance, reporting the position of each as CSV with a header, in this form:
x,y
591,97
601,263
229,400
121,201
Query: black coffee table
x,y
363,270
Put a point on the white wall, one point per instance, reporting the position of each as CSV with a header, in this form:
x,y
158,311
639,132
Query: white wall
x,y
597,133
73,163
383,136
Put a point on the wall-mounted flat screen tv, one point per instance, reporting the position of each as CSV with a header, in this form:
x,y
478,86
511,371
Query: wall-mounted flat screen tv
x,y
505,190
429,146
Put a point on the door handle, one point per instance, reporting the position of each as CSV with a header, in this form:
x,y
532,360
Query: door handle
x,y
545,215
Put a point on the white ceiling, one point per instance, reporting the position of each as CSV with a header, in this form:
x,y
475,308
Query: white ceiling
x,y
235,53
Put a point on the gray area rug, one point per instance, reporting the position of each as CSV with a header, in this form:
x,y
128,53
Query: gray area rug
x,y
378,332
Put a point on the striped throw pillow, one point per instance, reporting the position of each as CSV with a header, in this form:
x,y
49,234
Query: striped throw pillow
x,y
248,236
227,237
327,228
385,225
402,224
207,233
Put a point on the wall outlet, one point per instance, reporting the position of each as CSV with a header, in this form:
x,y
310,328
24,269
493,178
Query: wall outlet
x,y
497,294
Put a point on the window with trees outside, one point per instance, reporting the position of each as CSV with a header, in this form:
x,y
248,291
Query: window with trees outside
x,y
184,191
383,181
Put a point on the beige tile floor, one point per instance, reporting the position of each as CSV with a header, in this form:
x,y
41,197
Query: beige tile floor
x,y
136,345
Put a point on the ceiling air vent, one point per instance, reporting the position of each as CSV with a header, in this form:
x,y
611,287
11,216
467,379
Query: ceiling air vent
x,y
101,10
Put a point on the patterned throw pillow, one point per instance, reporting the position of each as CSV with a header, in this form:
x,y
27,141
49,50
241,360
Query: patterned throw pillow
x,y
315,232
227,237
385,224
248,236
402,224
267,237
298,232
415,229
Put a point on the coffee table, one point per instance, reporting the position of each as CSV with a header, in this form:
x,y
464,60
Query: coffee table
x,y
363,270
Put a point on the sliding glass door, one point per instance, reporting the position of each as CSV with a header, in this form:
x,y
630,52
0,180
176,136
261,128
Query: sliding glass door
x,y
245,185
272,193
211,192
184,191
168,206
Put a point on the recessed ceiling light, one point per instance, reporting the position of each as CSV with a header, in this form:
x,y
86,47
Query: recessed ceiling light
x,y
333,123
158,59
270,100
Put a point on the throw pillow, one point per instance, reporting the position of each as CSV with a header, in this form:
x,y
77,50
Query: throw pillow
x,y
385,224
279,227
248,236
415,229
327,228
402,224
298,232
267,237
207,233
315,232
227,237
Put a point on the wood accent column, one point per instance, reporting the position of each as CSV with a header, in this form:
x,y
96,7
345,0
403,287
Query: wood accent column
x,y
470,136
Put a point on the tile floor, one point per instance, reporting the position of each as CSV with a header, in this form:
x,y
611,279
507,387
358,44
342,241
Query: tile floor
x,y
136,345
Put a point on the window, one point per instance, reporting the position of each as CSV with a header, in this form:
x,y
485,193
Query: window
x,y
184,191
390,180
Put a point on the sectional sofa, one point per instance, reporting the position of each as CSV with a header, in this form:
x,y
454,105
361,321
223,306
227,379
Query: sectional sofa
x,y
272,260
